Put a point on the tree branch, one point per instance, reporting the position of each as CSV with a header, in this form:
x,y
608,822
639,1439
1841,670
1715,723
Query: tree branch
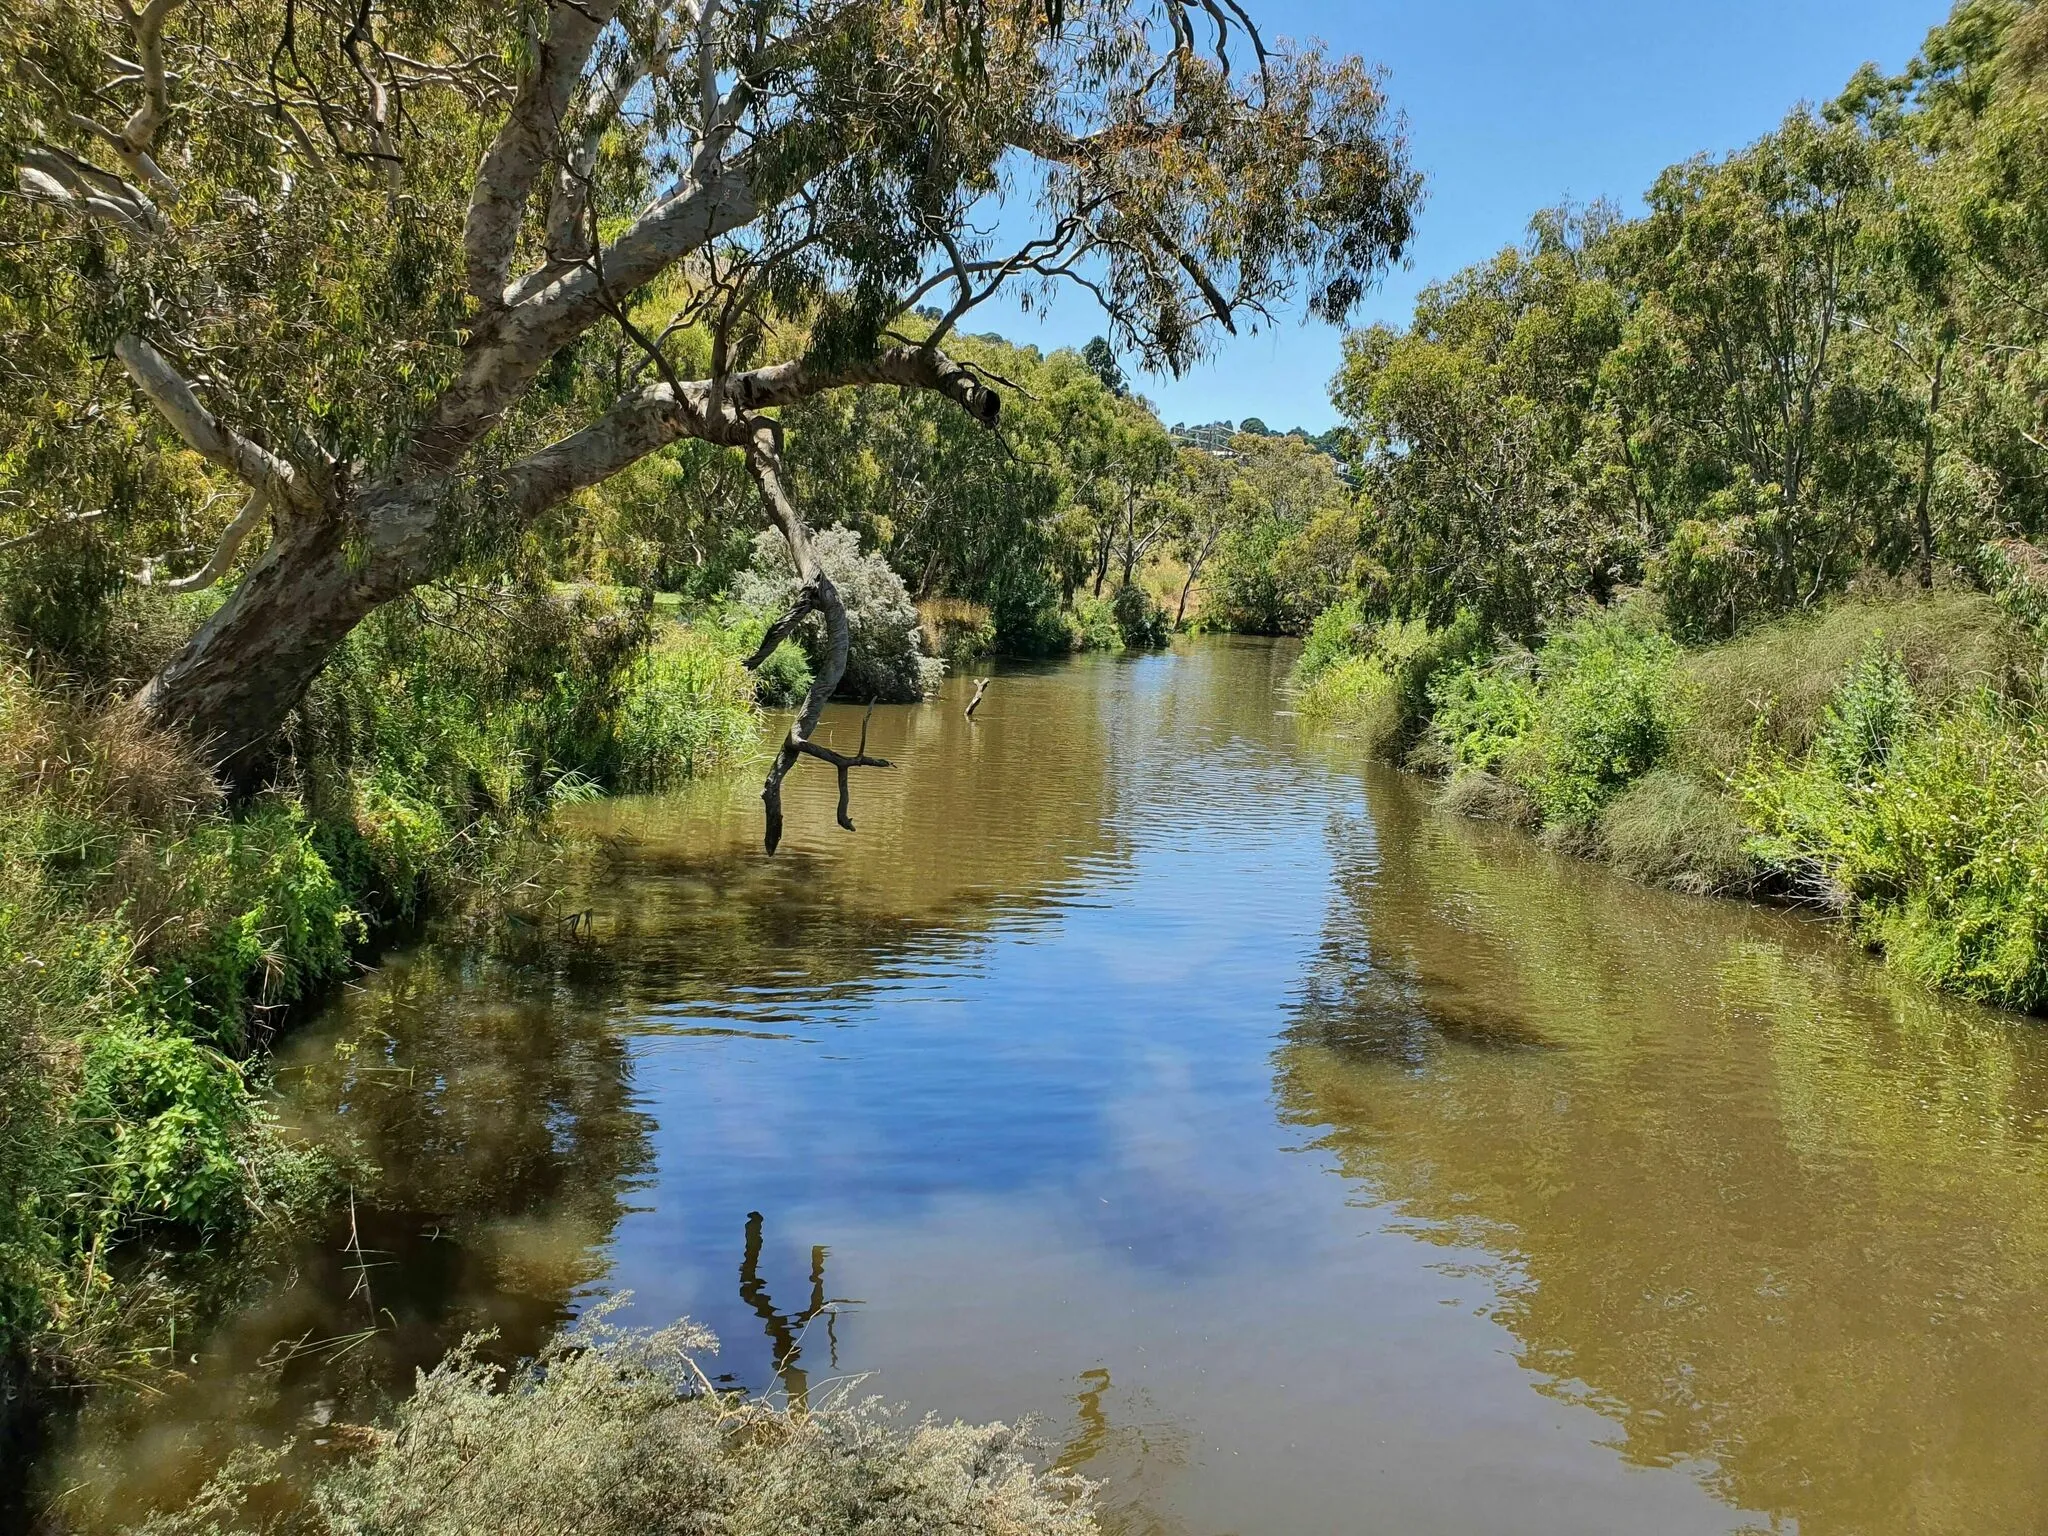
x,y
652,417
138,134
69,520
525,146
764,464
231,540
776,633
201,430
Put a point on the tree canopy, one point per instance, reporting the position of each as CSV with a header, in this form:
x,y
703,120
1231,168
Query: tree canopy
x,y
337,298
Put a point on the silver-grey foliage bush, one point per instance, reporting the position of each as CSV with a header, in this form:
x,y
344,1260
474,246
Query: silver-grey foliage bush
x,y
887,663
617,1433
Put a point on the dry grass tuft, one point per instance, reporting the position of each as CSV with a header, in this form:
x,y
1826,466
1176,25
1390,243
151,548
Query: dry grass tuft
x,y
618,1434
954,628
1484,796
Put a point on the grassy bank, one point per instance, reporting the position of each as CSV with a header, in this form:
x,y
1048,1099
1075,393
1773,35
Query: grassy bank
x,y
1886,758
154,934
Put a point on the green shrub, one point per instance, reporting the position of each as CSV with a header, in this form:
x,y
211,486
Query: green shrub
x,y
1140,622
1339,631
162,1125
1605,712
1028,617
784,677
1357,694
1094,626
1383,689
1936,844
782,681
1484,713
1872,709
247,914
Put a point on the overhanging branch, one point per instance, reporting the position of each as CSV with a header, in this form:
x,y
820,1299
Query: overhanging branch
x,y
201,431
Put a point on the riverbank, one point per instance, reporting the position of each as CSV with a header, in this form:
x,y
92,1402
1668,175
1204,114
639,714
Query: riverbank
x,y
1881,759
156,934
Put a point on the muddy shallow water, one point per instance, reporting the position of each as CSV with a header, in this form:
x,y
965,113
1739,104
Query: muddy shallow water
x,y
1302,1159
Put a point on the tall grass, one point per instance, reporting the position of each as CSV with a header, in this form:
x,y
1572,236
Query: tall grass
x,y
1375,680
1929,826
143,931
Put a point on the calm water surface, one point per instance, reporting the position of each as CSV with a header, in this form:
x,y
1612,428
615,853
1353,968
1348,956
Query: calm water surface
x,y
1303,1160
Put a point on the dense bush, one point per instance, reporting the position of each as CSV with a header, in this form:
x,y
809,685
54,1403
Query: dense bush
x,y
1377,679
683,711
615,1434
955,630
1604,716
1027,615
1339,631
1884,757
886,662
142,931
1092,625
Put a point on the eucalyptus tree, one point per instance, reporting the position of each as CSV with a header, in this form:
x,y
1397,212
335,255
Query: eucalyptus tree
x,y
1123,491
1214,502
352,252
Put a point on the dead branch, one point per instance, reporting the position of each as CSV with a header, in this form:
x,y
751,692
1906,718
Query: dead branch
x,y
974,703
845,764
761,439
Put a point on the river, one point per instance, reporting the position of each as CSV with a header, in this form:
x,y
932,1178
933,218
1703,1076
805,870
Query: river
x,y
1301,1159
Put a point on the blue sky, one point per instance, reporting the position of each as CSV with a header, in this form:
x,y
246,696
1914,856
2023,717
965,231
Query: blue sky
x,y
1513,105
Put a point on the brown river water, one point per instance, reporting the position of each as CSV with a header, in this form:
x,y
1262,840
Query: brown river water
x,y
1302,1160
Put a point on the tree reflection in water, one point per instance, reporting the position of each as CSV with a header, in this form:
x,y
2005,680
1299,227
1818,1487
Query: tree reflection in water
x,y
1780,1218
786,1333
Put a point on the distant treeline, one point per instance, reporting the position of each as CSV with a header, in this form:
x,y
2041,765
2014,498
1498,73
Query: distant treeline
x,y
1813,358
